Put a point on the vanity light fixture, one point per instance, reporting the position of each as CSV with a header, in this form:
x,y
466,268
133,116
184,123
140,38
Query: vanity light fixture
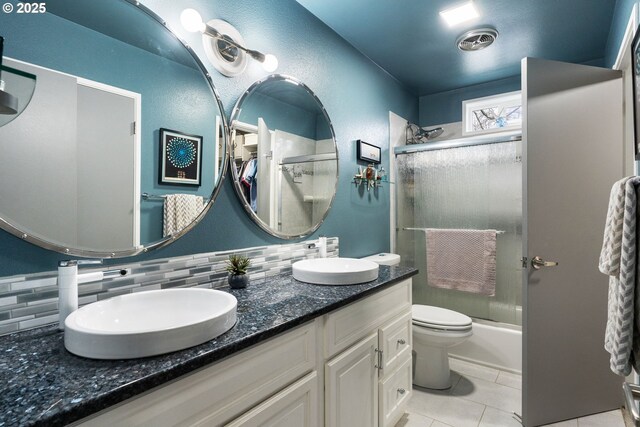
x,y
456,15
224,46
8,102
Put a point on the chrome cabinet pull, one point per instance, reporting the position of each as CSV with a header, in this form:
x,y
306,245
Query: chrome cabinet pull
x,y
401,341
537,263
402,391
378,365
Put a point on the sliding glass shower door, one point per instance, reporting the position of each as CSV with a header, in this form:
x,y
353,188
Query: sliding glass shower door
x,y
473,187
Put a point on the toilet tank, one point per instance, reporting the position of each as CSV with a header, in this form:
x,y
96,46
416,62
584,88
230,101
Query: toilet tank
x,y
384,258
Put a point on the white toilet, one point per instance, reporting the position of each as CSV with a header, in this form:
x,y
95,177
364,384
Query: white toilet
x,y
384,258
436,329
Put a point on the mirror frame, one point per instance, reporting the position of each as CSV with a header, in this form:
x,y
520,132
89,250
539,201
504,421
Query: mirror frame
x,y
45,244
237,109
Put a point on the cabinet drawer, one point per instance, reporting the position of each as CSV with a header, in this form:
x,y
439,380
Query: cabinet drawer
x,y
224,390
350,324
394,393
295,406
395,342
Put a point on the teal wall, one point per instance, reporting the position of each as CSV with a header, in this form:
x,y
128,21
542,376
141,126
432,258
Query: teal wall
x,y
279,115
35,40
356,93
446,107
618,26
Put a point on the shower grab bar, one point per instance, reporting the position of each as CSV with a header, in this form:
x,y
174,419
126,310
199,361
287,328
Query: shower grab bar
x,y
425,230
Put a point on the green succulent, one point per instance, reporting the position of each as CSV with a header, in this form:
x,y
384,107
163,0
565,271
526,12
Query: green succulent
x,y
238,264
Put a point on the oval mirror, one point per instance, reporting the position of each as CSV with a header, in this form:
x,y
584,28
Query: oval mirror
x,y
122,146
284,159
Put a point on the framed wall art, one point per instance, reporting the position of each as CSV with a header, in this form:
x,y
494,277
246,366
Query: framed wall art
x,y
368,152
180,158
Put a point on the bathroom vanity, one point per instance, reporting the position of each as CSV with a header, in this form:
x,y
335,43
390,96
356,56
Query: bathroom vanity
x,y
300,355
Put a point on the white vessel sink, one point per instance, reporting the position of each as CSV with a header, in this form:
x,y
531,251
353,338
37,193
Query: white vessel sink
x,y
335,271
149,323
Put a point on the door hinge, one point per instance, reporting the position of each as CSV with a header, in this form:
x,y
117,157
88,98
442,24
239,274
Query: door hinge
x,y
525,262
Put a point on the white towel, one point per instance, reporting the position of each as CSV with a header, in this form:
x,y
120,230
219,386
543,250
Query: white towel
x,y
618,260
464,260
610,255
179,211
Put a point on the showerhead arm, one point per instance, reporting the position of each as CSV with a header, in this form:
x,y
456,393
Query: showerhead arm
x,y
419,135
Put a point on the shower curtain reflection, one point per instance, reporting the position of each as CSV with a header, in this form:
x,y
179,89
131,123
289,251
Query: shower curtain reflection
x,y
473,187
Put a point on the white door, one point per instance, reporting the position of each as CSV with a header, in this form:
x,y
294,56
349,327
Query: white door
x,y
107,168
351,386
572,154
264,175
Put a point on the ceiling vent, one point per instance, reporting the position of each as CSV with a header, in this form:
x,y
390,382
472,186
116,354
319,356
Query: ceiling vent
x,y
477,39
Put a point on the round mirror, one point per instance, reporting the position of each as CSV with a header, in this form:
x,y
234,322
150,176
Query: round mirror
x,y
122,146
284,157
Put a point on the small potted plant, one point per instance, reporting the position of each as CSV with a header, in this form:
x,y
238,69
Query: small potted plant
x,y
237,266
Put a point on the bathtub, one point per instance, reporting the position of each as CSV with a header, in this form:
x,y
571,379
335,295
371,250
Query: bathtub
x,y
492,344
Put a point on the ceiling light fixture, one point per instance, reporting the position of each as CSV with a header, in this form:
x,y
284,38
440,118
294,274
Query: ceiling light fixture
x,y
459,14
224,46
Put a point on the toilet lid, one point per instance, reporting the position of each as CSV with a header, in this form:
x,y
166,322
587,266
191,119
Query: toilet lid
x,y
437,316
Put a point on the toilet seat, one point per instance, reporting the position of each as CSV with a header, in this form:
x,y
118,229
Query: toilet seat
x,y
439,319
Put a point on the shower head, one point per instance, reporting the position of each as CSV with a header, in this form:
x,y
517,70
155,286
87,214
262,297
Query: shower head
x,y
418,135
433,133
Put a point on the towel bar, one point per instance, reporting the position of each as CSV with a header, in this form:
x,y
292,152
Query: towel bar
x,y
631,395
147,196
424,229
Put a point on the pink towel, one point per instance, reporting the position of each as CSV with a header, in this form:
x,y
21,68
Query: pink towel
x,y
463,260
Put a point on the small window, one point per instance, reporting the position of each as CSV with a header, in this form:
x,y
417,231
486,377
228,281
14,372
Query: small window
x,y
492,114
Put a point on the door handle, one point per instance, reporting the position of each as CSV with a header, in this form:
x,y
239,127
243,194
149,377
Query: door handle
x,y
537,263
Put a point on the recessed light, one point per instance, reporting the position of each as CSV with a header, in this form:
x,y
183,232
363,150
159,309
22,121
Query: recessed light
x,y
458,14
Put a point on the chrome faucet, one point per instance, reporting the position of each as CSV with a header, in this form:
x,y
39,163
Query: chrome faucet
x,y
68,280
321,245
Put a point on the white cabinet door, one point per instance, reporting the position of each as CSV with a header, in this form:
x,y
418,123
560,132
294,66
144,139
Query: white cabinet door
x,y
295,406
351,386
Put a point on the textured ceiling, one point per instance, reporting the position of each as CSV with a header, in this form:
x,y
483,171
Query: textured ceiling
x,y
410,40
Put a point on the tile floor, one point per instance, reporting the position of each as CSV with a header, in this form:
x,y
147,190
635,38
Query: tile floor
x,y
482,397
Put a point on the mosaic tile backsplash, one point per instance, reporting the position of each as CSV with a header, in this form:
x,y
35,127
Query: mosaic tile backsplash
x,y
30,301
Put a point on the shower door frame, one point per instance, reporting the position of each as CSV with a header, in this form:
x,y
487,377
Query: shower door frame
x,y
500,137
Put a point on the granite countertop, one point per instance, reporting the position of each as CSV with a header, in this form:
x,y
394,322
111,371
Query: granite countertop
x,y
44,384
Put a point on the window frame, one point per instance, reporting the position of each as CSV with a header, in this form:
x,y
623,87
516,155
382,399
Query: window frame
x,y
507,99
